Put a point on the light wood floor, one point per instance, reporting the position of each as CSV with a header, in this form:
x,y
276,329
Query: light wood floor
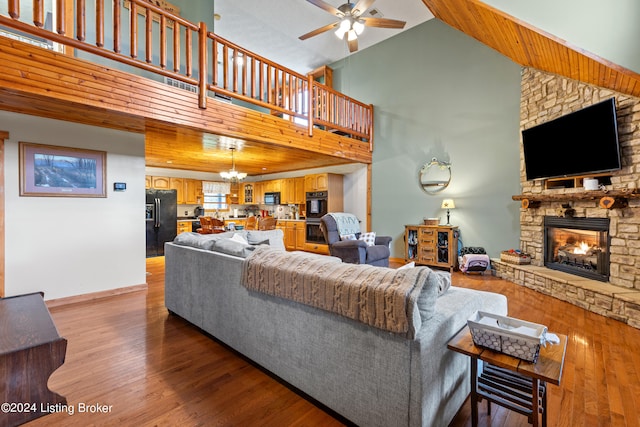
x,y
155,369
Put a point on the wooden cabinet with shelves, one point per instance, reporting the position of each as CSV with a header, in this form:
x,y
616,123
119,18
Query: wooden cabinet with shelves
x,y
435,246
246,194
188,191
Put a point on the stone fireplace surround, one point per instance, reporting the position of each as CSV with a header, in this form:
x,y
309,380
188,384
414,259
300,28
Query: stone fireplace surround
x,y
544,97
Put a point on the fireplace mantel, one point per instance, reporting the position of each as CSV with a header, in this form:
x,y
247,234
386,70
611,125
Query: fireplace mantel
x,y
607,199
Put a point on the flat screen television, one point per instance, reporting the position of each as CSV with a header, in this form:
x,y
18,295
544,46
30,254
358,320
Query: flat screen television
x,y
580,143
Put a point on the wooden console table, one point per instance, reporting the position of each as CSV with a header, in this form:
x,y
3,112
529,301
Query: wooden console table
x,y
30,350
510,382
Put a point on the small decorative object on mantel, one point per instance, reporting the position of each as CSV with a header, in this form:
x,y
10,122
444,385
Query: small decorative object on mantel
x,y
515,256
566,211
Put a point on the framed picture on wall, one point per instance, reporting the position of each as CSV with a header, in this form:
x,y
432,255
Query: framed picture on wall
x,y
54,171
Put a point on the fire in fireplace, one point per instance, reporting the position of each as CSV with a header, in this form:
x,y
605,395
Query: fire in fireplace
x,y
577,245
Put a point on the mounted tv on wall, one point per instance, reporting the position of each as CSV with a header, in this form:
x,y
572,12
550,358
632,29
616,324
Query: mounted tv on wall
x,y
580,143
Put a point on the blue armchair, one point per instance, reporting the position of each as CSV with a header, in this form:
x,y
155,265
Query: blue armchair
x,y
354,251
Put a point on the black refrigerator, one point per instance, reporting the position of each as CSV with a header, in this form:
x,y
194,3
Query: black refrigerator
x,y
161,220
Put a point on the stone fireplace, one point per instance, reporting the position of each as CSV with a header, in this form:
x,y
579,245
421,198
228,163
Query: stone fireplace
x,y
606,278
578,246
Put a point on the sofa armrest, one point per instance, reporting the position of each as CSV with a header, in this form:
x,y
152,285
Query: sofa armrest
x,y
383,240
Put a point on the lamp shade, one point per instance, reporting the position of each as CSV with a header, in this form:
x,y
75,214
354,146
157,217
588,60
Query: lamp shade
x,y
448,204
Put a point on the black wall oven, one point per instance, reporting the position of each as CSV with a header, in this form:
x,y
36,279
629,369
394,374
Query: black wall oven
x,y
317,204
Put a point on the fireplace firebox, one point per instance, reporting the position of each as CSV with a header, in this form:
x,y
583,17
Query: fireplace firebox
x,y
578,246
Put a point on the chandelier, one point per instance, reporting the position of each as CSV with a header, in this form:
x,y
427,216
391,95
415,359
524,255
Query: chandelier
x,y
233,175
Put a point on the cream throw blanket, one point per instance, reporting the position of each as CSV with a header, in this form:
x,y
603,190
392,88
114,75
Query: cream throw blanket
x,y
380,297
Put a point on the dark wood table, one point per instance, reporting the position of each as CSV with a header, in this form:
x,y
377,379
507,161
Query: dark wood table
x,y
30,350
507,381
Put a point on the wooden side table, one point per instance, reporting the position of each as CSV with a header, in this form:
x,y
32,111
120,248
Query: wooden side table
x,y
30,350
508,381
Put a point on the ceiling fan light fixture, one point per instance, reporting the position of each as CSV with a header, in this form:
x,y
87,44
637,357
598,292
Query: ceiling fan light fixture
x,y
340,33
351,35
358,26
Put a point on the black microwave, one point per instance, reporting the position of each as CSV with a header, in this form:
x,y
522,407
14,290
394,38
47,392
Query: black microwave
x,y
272,198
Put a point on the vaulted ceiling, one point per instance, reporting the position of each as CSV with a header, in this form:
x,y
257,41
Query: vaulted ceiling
x,y
529,46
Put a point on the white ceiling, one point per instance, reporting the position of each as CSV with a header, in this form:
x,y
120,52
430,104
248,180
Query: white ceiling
x,y
271,28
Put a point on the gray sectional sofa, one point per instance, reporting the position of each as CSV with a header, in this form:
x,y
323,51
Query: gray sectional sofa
x,y
370,376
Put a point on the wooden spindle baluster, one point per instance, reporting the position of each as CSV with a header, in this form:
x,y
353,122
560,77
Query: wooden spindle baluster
x,y
163,41
202,62
214,61
81,27
188,52
60,17
225,67
38,13
148,36
234,68
116,26
176,47
261,82
253,77
14,9
133,19
100,23
244,73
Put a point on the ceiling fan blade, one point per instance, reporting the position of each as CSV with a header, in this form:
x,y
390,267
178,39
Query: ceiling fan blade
x,y
383,23
318,31
353,45
327,7
361,7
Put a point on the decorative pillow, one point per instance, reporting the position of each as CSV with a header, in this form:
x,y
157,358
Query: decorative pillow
x,y
238,238
409,265
233,247
200,241
348,237
275,237
369,238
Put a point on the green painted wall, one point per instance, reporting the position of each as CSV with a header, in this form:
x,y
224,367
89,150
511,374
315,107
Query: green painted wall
x,y
608,29
439,93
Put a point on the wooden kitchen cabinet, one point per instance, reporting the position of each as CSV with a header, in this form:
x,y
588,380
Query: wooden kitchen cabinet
x,y
160,183
321,181
294,235
435,246
184,226
258,193
193,191
147,182
178,185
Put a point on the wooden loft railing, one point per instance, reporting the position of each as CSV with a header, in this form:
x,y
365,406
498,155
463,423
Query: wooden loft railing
x,y
150,38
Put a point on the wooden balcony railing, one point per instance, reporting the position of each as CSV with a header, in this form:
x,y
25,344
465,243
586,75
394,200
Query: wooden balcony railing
x,y
140,34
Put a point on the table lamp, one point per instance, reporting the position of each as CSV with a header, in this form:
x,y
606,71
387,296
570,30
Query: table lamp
x,y
448,204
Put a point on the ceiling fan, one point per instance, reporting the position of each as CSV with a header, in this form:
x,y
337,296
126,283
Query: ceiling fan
x,y
351,22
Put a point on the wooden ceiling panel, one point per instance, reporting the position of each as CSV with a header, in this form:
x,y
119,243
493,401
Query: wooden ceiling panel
x,y
532,47
167,146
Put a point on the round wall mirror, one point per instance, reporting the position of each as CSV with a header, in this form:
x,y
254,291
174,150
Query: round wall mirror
x,y
435,176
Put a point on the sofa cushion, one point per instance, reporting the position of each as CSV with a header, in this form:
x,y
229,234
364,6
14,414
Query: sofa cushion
x,y
233,246
200,241
275,237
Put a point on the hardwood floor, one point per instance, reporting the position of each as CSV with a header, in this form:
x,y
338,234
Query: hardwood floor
x,y
149,368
